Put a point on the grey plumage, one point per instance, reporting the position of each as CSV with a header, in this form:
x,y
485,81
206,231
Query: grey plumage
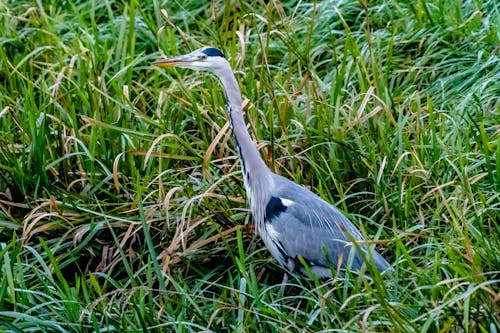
x,y
292,221
307,224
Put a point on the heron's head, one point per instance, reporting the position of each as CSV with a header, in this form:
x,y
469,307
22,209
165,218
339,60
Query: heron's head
x,y
206,58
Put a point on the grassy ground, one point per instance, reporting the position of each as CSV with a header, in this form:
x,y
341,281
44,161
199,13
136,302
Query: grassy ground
x,y
121,200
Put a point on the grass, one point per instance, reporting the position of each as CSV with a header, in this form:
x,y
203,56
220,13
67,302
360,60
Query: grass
x,y
121,199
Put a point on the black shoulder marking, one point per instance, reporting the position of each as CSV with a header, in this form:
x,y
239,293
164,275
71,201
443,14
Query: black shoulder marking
x,y
213,52
274,208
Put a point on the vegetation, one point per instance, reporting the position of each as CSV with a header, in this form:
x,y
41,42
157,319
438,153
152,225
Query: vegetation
x,y
121,199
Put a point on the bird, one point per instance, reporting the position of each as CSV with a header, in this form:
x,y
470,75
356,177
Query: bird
x,y
305,233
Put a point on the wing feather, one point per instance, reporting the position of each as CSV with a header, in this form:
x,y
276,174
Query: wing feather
x,y
309,226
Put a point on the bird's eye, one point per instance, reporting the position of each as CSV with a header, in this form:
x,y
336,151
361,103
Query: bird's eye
x,y
203,57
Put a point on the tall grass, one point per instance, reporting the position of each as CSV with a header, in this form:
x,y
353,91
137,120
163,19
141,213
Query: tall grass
x,y
121,200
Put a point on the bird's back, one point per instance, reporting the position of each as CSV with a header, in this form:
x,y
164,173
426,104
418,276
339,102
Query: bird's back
x,y
299,223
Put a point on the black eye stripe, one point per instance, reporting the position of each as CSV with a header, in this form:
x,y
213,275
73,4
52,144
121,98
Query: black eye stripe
x,y
213,52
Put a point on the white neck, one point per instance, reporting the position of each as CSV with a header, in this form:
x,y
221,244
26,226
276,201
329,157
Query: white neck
x,y
257,176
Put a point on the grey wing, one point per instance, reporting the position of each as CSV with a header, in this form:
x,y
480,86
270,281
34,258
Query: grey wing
x,y
317,245
309,226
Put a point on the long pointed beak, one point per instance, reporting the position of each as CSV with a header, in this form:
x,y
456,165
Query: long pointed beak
x,y
174,61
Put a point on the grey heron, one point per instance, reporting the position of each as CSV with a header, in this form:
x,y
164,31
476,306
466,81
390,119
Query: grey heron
x,y
292,221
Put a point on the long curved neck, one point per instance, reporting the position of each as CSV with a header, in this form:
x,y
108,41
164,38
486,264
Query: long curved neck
x,y
256,174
